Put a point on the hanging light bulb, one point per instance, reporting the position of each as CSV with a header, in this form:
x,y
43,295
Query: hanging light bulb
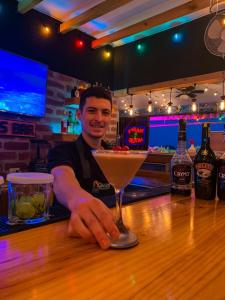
x,y
131,111
169,105
150,103
222,102
194,105
169,108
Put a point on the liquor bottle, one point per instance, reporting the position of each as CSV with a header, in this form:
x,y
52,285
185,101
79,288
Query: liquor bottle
x,y
70,122
73,91
64,123
221,178
181,165
76,124
205,169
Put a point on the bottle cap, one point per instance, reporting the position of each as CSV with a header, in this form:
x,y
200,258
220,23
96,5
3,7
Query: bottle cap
x,y
30,178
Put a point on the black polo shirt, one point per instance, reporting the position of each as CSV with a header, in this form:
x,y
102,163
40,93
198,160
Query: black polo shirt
x,y
78,156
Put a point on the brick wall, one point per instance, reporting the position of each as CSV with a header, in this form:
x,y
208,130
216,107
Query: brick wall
x,y
17,152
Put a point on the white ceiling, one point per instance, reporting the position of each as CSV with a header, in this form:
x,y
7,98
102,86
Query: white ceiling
x,y
126,15
141,101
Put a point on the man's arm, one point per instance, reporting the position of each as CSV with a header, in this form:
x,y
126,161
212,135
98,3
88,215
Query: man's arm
x,y
90,218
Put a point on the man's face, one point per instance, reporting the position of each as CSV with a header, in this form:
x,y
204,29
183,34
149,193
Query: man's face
x,y
95,116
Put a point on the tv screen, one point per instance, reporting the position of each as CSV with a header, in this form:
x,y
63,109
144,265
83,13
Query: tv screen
x,y
22,85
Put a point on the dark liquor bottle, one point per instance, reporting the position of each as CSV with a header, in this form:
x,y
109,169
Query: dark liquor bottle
x,y
221,178
73,91
205,170
181,165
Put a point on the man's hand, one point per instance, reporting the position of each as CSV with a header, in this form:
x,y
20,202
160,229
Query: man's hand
x,y
93,221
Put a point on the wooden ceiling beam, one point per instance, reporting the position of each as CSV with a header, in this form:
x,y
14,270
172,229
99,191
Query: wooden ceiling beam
x,y
91,14
26,5
174,13
178,83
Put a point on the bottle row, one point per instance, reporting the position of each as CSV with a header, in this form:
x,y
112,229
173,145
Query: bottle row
x,y
208,172
70,123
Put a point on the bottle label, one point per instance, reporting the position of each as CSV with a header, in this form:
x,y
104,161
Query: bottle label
x,y
204,152
181,174
204,170
182,136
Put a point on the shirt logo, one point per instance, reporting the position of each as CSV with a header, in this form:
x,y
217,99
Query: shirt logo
x,y
100,186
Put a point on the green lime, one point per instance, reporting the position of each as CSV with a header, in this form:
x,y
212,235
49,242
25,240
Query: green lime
x,y
25,210
38,202
25,198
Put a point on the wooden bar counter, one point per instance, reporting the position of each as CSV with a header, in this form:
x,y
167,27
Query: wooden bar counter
x,y
181,255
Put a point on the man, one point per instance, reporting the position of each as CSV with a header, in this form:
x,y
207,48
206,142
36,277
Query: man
x,y
78,180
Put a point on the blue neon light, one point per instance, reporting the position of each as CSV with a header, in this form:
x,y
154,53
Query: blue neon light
x,y
22,85
177,37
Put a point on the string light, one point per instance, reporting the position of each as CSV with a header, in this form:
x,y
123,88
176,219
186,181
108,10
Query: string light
x,y
46,30
107,54
79,44
140,48
177,37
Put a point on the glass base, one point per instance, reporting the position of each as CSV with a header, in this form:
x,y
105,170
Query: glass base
x,y
125,240
17,221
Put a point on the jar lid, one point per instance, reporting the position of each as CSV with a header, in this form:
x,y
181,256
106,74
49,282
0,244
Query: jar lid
x,y
30,178
1,180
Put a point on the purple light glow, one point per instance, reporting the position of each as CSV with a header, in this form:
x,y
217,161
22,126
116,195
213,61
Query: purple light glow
x,y
186,117
170,125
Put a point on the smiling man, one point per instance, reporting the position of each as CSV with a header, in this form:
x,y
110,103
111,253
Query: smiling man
x,y
78,180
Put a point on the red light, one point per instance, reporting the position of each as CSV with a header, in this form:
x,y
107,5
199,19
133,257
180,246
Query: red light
x,y
79,44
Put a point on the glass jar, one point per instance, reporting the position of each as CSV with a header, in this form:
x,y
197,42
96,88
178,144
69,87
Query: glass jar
x,y
29,197
1,182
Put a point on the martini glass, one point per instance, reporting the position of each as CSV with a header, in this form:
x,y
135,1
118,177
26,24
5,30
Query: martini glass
x,y
119,167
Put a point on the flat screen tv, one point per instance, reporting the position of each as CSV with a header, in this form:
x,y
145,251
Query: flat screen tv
x,y
22,85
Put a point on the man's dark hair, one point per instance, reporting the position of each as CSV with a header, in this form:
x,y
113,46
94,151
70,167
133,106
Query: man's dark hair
x,y
95,91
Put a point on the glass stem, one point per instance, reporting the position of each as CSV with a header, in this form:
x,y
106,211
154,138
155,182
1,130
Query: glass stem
x,y
119,218
119,195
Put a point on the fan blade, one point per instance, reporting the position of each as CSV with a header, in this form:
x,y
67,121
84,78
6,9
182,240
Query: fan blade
x,y
221,48
214,30
198,91
192,95
180,95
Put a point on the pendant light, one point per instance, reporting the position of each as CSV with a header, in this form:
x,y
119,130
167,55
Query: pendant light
x,y
194,105
150,103
222,101
169,105
131,110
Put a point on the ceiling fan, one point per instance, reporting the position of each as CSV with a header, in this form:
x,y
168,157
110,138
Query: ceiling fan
x,y
190,91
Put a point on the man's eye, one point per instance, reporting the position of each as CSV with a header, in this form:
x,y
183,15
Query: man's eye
x,y
106,113
92,111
